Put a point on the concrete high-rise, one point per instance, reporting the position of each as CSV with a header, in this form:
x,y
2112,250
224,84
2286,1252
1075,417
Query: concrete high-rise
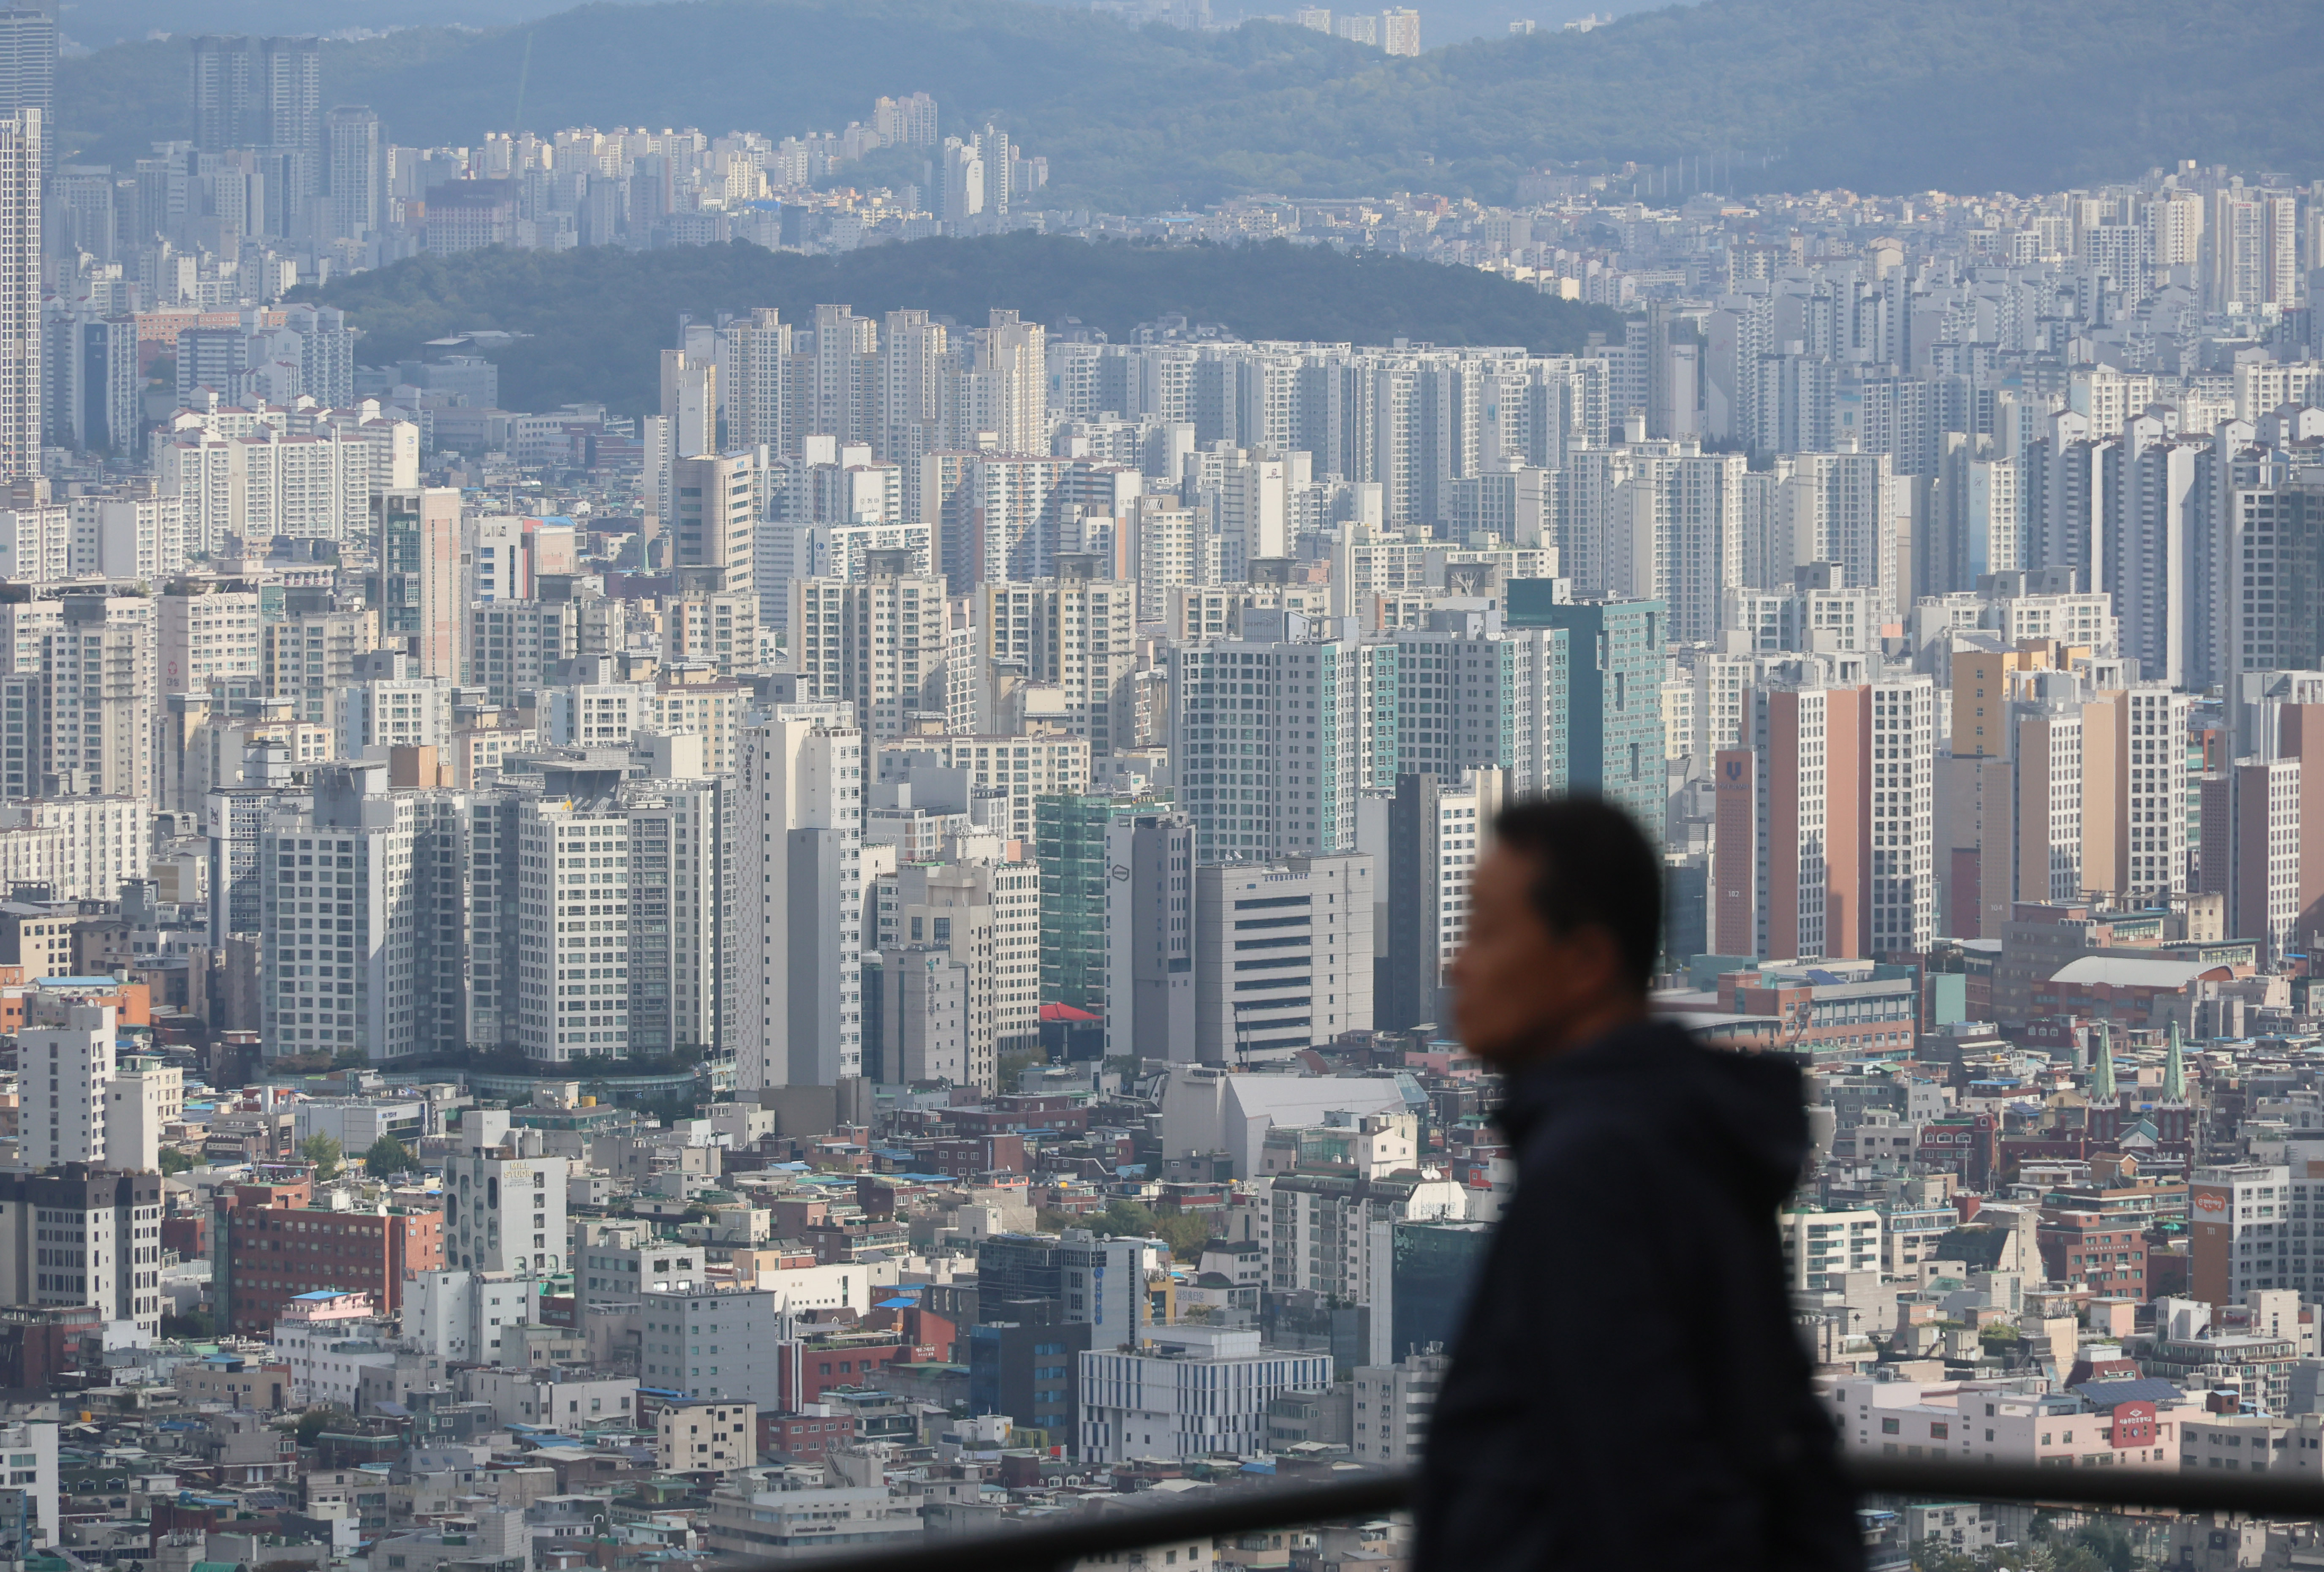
x,y
1283,954
364,919
22,135
877,644
1614,721
1074,630
355,167
1149,936
28,69
1270,737
416,538
797,823
1437,830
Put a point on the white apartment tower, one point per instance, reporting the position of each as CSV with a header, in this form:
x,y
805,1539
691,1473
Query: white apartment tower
x,y
22,135
877,644
70,1067
1269,741
573,859
798,825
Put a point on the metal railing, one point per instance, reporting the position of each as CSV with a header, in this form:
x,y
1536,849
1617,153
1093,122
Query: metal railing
x,y
1135,1525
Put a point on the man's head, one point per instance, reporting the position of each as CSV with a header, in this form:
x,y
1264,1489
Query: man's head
x,y
1564,923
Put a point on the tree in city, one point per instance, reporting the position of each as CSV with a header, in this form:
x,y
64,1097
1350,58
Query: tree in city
x,y
326,1153
387,1157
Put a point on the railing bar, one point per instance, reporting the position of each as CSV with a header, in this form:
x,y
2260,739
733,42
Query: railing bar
x,y
2174,1489
1131,1526
1135,1525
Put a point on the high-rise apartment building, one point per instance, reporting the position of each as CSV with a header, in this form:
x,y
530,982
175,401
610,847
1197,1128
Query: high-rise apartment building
x,y
208,637
97,696
69,1066
417,537
364,919
1437,830
1271,739
877,644
986,916
712,520
27,70
573,860
23,134
798,825
681,929
1615,669
1076,630
356,170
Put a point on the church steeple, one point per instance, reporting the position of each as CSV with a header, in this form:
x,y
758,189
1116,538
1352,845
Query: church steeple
x,y
2102,1092
2174,1070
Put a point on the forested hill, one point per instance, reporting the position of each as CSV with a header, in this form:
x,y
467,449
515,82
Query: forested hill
x,y
1956,95
600,316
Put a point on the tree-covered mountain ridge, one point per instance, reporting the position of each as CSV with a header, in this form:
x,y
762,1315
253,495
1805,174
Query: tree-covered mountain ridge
x,y
1952,95
596,318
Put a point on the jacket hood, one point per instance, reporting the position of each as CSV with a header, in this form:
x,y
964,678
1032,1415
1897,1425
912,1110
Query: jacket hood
x,y
1744,1114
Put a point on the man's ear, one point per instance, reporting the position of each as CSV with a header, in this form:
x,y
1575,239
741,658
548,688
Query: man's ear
x,y
1592,960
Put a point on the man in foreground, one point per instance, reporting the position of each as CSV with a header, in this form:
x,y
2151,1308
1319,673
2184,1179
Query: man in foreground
x,y
1627,1390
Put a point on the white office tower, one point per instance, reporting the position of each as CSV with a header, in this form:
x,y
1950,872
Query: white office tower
x,y
364,919
1283,954
877,643
797,909
679,935
1655,521
1268,738
1074,631
68,1065
573,851
96,699
22,135
687,428
503,1199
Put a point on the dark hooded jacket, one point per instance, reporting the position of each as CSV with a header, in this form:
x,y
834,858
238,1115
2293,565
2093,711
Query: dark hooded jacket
x,y
1629,1391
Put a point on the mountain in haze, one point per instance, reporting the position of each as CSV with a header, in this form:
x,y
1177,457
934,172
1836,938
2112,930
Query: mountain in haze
x,y
1956,95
